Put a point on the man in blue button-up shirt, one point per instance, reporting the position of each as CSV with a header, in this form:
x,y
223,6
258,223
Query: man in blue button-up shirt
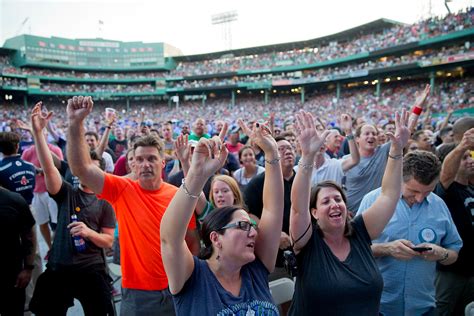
x,y
421,220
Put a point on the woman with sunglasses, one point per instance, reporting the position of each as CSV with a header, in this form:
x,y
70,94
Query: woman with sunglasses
x,y
337,273
231,277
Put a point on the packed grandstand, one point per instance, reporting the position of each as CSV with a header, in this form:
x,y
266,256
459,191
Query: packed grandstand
x,y
334,108
371,69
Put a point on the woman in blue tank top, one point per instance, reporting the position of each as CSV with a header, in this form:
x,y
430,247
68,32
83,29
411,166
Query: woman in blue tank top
x,y
230,278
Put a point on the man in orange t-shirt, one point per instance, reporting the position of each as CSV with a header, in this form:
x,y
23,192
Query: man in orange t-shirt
x,y
139,206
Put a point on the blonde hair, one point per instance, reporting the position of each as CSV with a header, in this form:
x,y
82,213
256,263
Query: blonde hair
x,y
233,185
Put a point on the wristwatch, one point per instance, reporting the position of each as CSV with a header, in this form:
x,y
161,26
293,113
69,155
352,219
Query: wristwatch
x,y
445,257
28,266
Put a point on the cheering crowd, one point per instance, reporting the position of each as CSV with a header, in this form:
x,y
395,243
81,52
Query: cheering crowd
x,y
397,35
371,211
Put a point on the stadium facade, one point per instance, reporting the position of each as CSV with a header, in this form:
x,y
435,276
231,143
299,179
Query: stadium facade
x,y
375,53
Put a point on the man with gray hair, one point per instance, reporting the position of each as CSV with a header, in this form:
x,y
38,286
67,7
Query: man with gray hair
x,y
420,234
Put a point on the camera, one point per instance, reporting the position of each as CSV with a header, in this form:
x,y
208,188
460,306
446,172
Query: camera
x,y
290,263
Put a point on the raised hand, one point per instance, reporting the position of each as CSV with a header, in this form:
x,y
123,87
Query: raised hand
x,y
260,135
308,137
78,108
39,118
402,133
223,132
110,120
208,157
421,97
182,149
467,140
17,123
346,123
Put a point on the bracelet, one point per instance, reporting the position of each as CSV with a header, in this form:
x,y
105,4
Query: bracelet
x,y
183,185
396,157
305,166
273,161
445,257
108,126
416,110
350,137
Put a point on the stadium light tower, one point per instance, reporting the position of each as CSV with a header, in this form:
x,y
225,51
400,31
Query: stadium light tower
x,y
22,25
446,5
224,19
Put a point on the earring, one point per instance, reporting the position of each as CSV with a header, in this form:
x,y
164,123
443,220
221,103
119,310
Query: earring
x,y
218,257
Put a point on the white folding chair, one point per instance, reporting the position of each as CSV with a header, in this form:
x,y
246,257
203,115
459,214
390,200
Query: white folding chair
x,y
282,290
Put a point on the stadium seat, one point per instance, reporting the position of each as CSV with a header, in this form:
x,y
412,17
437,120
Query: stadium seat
x,y
469,310
115,272
282,290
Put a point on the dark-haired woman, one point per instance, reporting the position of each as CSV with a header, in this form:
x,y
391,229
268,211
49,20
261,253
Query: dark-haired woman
x,y
337,273
231,277
249,169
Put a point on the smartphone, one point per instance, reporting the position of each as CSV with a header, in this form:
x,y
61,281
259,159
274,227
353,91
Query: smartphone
x,y
421,249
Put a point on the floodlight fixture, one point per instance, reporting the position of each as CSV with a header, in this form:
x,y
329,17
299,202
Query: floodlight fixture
x,y
224,17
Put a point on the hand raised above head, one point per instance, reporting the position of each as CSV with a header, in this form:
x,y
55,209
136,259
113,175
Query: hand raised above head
x,y
39,118
208,157
223,131
421,97
308,137
182,148
78,108
467,140
260,135
346,122
402,133
21,125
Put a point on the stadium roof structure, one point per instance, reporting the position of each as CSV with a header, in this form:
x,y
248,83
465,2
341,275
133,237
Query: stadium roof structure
x,y
6,51
371,27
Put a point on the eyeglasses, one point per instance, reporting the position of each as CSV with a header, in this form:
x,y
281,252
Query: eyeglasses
x,y
243,225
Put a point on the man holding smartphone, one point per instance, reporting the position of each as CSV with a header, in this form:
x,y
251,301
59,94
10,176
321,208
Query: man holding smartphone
x,y
420,234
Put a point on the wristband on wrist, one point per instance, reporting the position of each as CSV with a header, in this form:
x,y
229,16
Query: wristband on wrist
x,y
416,110
273,161
183,185
304,165
395,157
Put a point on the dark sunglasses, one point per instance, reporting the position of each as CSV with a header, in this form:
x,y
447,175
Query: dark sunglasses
x,y
243,225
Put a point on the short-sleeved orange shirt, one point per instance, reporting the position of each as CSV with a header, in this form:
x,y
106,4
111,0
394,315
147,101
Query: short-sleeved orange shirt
x,y
139,213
